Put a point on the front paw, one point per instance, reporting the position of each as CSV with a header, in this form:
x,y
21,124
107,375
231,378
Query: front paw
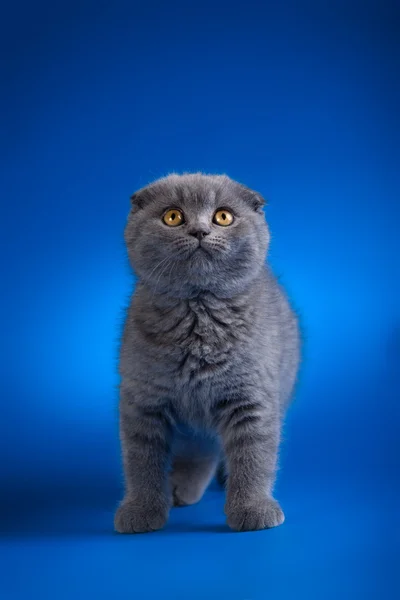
x,y
259,514
134,518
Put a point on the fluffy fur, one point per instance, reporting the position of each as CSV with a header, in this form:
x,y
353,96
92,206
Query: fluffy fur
x,y
209,356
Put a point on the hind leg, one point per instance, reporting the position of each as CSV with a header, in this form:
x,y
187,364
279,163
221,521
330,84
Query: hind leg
x,y
193,468
222,475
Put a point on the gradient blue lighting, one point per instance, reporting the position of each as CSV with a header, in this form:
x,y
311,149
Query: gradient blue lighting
x,y
297,100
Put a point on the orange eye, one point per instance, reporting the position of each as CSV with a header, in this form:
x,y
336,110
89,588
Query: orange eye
x,y
223,218
173,217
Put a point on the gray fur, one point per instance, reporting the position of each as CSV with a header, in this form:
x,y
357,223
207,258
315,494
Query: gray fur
x,y
209,356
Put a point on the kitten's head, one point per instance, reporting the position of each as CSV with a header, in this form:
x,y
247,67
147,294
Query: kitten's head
x,y
192,233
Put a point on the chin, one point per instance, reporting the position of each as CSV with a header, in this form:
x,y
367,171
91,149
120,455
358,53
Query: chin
x,y
199,276
199,259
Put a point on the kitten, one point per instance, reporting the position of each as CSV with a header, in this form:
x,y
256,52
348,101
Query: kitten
x,y
209,354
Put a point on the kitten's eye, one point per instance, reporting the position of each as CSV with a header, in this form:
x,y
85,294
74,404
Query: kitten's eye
x,y
173,217
223,218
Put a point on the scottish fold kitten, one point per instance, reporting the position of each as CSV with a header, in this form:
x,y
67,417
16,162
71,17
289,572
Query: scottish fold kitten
x,y
209,354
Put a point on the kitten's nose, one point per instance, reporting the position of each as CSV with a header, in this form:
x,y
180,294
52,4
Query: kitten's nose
x,y
199,233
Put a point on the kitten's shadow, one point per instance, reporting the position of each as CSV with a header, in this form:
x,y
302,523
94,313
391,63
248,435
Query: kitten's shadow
x,y
50,530
181,528
16,521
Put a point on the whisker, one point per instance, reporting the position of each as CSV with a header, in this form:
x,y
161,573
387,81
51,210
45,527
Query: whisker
x,y
158,265
170,273
158,278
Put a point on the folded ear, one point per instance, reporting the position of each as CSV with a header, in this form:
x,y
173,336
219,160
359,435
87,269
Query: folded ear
x,y
143,196
254,199
258,201
137,200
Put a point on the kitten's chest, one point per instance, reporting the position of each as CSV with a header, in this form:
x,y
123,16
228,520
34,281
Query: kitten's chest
x,y
208,342
200,335
211,326
194,346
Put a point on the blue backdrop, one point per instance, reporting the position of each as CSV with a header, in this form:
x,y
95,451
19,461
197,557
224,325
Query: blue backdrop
x,y
298,100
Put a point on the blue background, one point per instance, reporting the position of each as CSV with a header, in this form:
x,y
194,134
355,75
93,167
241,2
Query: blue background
x,y
298,100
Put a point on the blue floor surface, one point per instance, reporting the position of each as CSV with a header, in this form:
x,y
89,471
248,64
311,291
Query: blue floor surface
x,y
331,546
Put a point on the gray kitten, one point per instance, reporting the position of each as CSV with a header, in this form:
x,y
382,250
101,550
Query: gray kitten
x,y
209,354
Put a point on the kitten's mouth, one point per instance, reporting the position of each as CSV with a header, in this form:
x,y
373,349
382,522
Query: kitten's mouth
x,y
197,253
200,250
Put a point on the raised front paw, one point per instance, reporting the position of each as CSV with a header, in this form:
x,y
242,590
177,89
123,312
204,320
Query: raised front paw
x,y
132,518
259,514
